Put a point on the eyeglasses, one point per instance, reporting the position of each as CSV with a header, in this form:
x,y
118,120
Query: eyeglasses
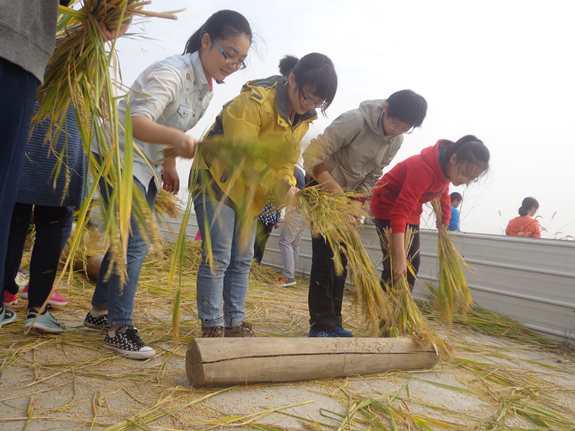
x,y
240,65
465,178
398,126
310,102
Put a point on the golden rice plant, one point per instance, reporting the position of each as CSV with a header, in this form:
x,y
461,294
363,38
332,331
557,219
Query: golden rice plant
x,y
81,74
328,214
406,317
452,295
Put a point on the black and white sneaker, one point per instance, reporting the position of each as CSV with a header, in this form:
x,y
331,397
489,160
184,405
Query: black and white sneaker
x,y
96,322
128,343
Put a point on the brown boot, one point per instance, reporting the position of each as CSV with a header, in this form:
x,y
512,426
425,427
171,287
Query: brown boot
x,y
213,332
243,330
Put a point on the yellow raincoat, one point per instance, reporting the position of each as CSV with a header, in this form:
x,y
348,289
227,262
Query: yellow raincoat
x,y
259,114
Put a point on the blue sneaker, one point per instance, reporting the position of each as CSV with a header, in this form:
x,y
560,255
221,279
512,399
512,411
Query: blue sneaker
x,y
322,334
340,332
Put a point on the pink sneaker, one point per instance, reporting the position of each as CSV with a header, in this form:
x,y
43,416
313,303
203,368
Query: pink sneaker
x,y
56,299
10,299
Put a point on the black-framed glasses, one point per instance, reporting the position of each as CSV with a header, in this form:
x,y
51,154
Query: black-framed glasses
x,y
398,126
310,102
240,65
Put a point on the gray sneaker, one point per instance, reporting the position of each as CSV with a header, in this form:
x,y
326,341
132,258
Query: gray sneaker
x,y
44,323
6,316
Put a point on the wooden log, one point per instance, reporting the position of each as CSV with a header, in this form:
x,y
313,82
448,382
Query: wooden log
x,y
233,361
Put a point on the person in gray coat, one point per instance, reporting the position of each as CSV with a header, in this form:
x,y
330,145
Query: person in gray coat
x,y
351,155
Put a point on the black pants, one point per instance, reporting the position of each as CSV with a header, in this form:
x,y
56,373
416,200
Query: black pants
x,y
18,96
325,287
263,232
53,225
413,254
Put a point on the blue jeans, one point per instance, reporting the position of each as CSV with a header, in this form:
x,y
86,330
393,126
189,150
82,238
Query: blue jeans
x,y
18,95
110,294
228,283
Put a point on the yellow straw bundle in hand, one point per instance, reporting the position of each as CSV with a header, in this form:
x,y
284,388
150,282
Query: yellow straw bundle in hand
x,y
327,214
79,75
452,295
406,317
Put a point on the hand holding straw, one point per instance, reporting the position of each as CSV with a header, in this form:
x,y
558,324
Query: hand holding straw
x,y
328,214
406,317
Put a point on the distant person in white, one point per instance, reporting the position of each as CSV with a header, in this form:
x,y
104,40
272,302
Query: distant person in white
x,y
290,236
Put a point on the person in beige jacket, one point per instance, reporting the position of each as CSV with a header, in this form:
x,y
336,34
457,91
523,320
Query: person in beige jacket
x,y
351,155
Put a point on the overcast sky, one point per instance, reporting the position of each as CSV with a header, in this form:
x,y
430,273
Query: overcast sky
x,y
501,70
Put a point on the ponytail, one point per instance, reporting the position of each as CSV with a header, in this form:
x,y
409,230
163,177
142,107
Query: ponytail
x,y
287,64
526,205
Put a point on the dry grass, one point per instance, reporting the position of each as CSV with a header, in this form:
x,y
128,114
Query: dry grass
x,y
69,381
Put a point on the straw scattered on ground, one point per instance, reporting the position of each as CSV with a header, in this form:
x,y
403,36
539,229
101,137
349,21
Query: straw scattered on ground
x,y
69,382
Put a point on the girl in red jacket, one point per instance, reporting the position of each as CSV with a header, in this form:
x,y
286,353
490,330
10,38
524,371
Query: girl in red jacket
x,y
397,200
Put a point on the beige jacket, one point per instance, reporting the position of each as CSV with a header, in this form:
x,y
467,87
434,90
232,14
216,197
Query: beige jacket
x,y
354,148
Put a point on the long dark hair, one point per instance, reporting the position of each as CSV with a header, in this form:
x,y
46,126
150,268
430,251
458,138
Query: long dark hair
x,y
221,25
526,205
468,149
313,70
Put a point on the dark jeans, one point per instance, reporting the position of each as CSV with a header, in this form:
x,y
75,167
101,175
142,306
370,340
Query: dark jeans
x,y
53,225
263,232
325,287
413,253
18,95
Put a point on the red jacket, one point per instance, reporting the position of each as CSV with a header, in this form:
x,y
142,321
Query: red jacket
x,y
400,194
523,226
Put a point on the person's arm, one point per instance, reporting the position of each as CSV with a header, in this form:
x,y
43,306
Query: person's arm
x,y
536,229
161,87
341,132
399,261
147,130
445,207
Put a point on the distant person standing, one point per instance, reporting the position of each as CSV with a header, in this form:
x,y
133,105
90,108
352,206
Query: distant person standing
x,y
456,200
290,236
525,225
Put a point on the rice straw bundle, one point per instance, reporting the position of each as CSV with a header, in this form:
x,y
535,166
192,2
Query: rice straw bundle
x,y
79,75
167,204
406,317
327,214
452,295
